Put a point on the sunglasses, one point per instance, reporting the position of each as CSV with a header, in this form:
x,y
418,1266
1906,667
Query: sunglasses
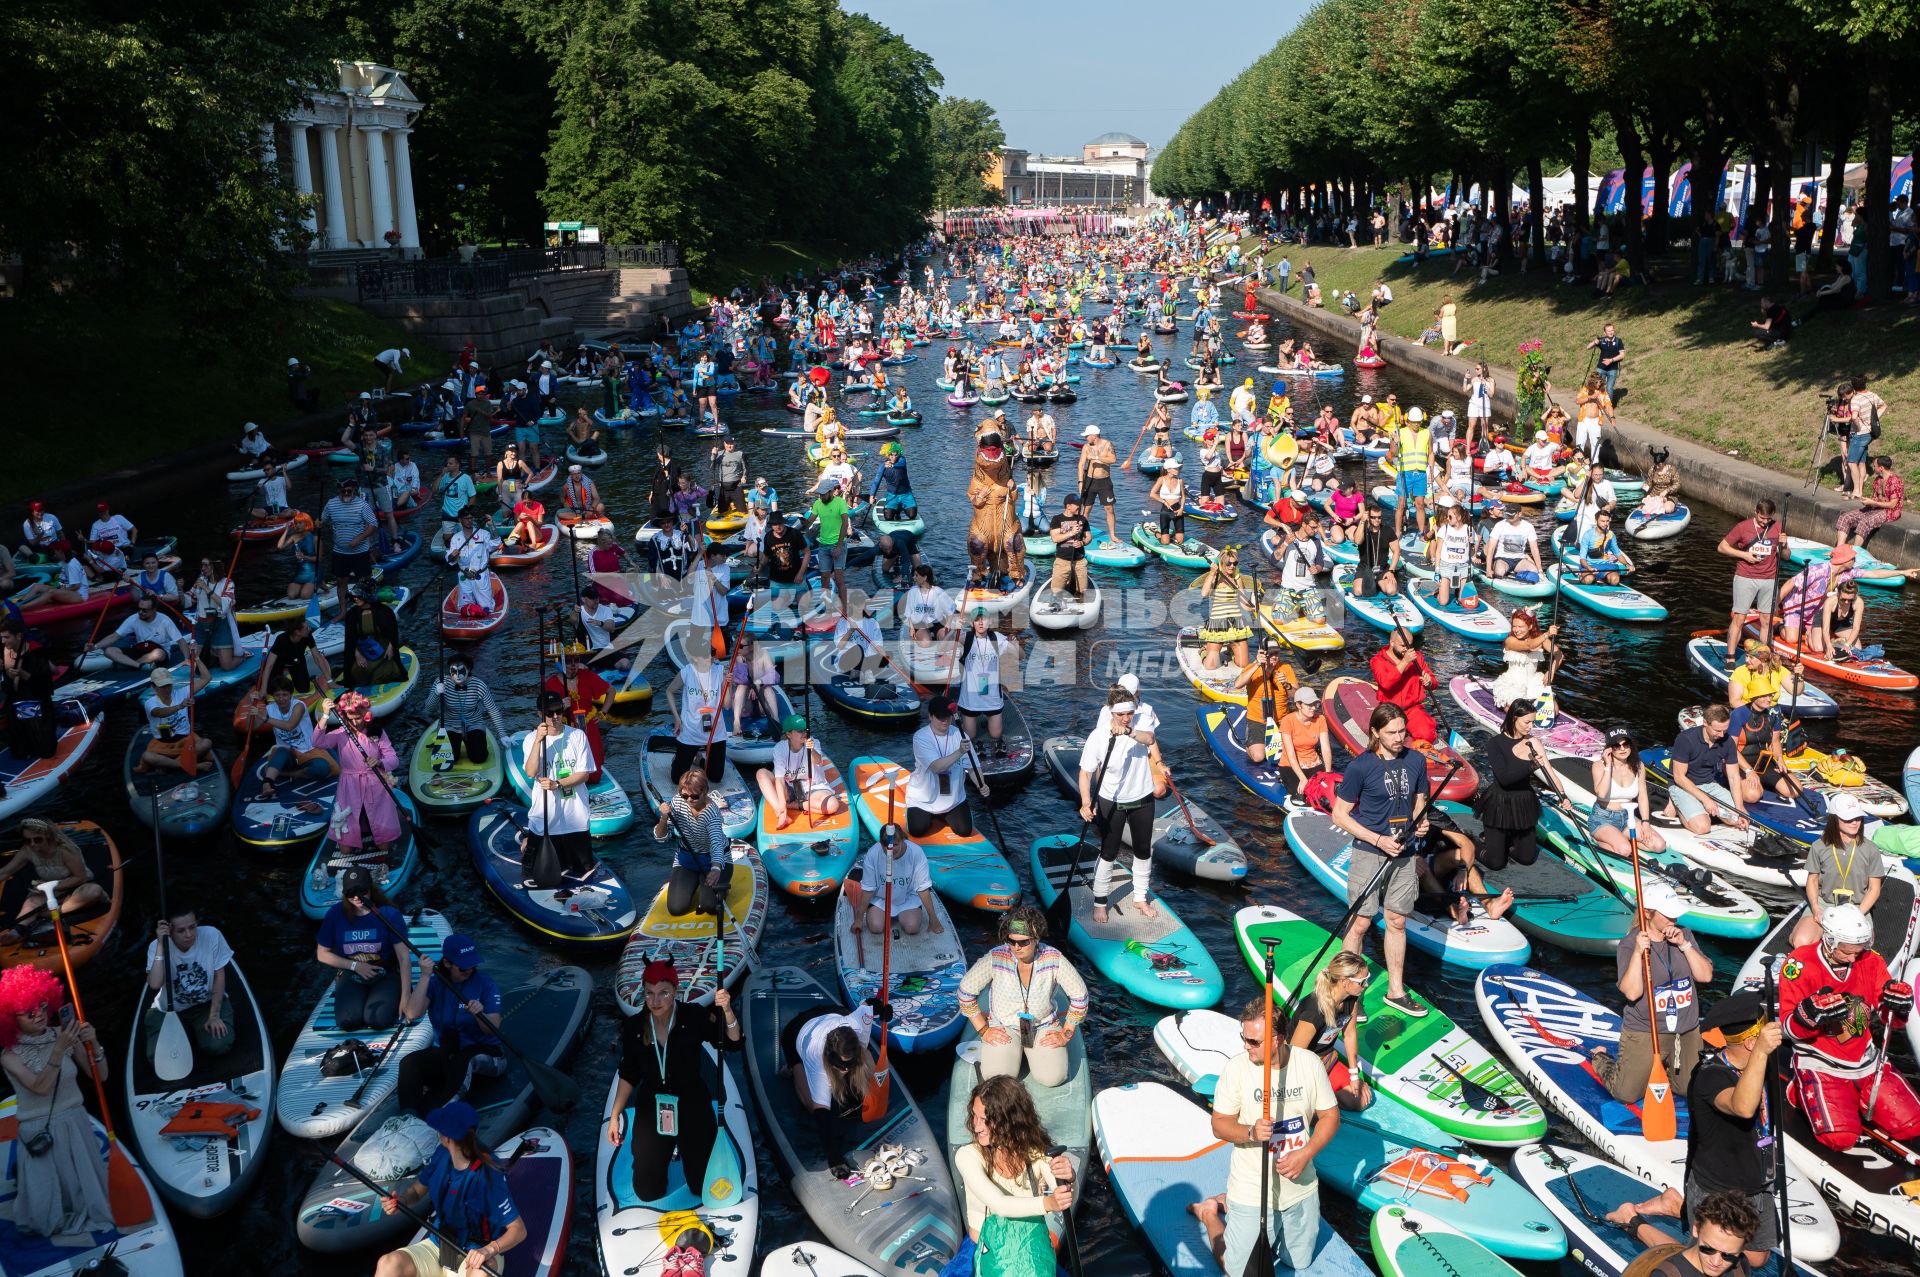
x,y
1022,942
1709,1252
1252,1041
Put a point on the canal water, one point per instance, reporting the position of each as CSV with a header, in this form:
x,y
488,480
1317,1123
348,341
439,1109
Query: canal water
x,y
1635,677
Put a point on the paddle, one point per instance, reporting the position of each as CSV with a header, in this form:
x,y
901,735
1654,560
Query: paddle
x,y
1658,1120
1474,1093
407,1210
1776,1114
126,1193
879,1095
173,1049
1073,1235
1187,815
1128,463
1260,1259
1060,912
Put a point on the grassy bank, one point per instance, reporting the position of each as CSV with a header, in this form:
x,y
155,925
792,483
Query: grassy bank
x,y
1691,368
774,259
109,388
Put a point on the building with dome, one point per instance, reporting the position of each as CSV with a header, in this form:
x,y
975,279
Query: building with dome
x,y
1111,171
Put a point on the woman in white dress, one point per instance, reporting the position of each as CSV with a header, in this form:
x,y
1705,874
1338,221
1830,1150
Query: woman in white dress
x,y
1531,658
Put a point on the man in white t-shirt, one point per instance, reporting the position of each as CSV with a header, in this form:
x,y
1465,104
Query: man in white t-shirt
x,y
148,637
197,958
558,759
906,864
1298,1126
1539,456
108,526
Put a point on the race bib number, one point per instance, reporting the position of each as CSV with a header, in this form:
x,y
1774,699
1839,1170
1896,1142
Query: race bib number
x,y
1289,1135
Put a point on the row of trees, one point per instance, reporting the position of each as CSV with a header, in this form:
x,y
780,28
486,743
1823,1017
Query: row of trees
x,y
1366,98
135,161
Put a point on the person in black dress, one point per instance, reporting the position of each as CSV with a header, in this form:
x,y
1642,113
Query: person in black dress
x,y
1508,808
664,1075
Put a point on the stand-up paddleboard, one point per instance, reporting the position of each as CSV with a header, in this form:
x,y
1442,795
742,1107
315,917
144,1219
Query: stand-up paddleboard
x,y
1896,924
967,869
738,804
144,1242
540,1181
1103,551
1162,1157
448,786
1224,727
925,972
1483,621
1010,758
811,1259
1547,1028
312,1105
636,1234
1191,552
912,1227
1216,684
1658,527
609,810
1058,610
689,941
1397,1051
546,1016
320,888
1580,1189
1157,959
1185,837
28,780
1564,734
1412,1242
1555,903
1066,1110
1379,610
1714,906
1327,851
1615,602
596,911
296,814
809,855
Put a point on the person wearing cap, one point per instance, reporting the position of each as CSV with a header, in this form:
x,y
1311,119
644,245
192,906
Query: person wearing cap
x,y
462,1003
1844,867
470,550
466,1194
1117,784
1538,458
363,938
1094,477
40,531
1730,1143
1012,996
1381,800
799,781
111,529
829,517
893,856
1070,533
1761,672
589,698
1243,401
390,362
1759,730
168,710
1839,1003
558,761
1512,546
936,791
1306,749
663,1106
1364,424
1680,969
1410,449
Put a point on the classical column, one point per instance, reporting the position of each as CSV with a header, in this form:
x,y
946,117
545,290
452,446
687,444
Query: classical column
x,y
330,187
302,172
403,190
377,189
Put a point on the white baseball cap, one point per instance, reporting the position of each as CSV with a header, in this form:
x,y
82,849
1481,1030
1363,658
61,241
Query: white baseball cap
x,y
1089,432
293,361
1306,696
1130,681
1845,807
1365,399
1659,897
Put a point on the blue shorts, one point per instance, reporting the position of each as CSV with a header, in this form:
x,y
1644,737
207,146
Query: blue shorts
x,y
1857,448
1411,485
526,436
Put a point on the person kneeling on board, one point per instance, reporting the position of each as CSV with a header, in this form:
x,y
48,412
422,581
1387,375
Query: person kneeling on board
x,y
832,1069
663,1056
1016,980
1302,1120
893,856
703,854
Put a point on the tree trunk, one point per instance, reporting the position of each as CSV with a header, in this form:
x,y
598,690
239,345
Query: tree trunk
x,y
1627,134
1836,184
1536,213
1660,151
1873,200
1500,204
1582,197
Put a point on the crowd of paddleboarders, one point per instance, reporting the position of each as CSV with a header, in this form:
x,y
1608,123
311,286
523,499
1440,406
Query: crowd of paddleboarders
x,y
414,1056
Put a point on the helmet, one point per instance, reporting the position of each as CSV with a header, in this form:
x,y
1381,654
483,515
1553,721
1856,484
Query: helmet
x,y
1845,924
1416,414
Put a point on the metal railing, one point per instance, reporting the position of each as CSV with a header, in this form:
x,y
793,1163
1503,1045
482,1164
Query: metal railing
x,y
495,272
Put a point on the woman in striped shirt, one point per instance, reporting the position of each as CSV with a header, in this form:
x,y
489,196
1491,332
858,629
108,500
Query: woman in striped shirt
x,y
1019,1016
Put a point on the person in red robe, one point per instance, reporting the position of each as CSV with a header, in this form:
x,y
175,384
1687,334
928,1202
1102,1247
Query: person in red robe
x,y
1403,678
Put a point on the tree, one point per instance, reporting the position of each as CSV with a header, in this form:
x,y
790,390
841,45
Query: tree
x,y
965,136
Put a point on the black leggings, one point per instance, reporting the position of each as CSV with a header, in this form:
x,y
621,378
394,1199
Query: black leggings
x,y
685,755
1116,821
653,1152
366,1004
1498,846
471,743
921,823
688,892
435,1075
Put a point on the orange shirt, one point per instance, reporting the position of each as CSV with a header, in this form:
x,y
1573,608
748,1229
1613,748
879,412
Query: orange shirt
x,y
1260,687
1305,736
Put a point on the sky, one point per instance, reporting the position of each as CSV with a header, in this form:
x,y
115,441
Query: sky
x,y
1061,72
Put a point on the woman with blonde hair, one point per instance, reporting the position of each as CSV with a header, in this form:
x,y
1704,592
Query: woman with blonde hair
x,y
50,856
1330,1019
1010,1182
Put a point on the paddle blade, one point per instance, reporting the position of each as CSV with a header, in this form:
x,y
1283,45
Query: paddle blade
x,y
726,1183
879,1096
172,1050
1657,1118
132,1204
1260,1258
558,1092
1334,606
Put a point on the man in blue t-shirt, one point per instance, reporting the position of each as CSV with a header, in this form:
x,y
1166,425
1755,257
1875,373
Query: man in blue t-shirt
x,y
1378,803
1702,759
463,1004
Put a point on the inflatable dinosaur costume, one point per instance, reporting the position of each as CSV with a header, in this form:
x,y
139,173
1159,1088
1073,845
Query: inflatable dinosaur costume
x,y
993,538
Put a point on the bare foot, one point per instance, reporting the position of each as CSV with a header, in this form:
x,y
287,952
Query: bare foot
x,y
1498,906
1145,907
1622,1214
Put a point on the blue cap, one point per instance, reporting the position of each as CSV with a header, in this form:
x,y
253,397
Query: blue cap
x,y
461,952
455,1121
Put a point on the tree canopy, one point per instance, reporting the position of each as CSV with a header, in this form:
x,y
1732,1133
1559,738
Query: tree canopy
x,y
966,137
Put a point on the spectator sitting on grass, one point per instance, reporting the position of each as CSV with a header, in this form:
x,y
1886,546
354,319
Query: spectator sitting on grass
x,y
1775,326
1313,294
1838,292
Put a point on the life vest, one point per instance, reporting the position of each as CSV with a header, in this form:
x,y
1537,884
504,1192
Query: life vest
x,y
1433,1173
210,1118
1415,443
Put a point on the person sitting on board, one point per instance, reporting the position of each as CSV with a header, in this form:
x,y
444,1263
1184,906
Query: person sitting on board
x,y
665,1068
1403,678
1009,1181
1844,867
796,782
1600,557
462,1002
1326,1022
198,957
370,955
1705,764
1730,1132
64,1197
468,1198
904,861
1117,762
1681,968
1009,996
53,858
1832,993
1302,1123
292,726
1448,866
826,1053
169,713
